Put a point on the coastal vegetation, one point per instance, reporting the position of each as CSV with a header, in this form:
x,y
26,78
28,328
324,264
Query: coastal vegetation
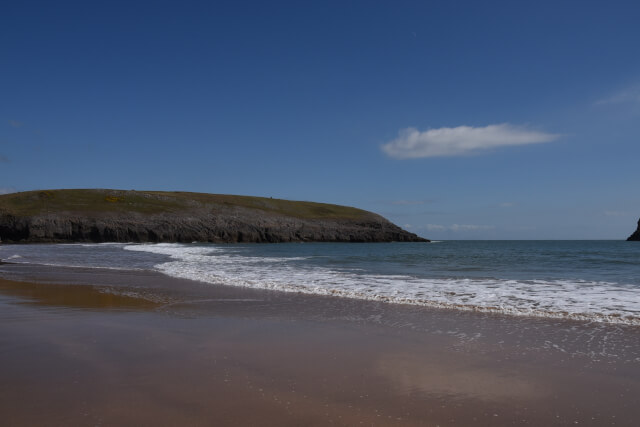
x,y
153,202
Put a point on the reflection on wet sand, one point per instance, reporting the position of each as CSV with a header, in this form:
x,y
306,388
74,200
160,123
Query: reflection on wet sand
x,y
411,374
73,296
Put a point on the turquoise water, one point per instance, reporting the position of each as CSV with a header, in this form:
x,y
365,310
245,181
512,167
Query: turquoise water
x,y
586,280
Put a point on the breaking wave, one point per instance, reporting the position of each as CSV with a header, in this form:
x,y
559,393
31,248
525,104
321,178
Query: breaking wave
x,y
586,300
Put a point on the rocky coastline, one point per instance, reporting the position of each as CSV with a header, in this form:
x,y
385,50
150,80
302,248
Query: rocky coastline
x,y
127,216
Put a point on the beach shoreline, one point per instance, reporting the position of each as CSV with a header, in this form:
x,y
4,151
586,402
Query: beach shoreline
x,y
133,347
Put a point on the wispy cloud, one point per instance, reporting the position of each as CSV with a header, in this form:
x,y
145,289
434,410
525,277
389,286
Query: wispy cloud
x,y
459,227
15,123
470,227
461,140
629,95
4,159
507,204
435,227
7,190
410,202
616,213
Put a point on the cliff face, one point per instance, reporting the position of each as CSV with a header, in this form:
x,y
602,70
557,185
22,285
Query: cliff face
x,y
635,237
133,216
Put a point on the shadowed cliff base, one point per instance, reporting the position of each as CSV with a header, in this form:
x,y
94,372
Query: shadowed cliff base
x,y
100,215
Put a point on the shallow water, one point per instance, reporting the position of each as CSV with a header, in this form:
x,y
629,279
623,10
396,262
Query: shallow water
x,y
584,280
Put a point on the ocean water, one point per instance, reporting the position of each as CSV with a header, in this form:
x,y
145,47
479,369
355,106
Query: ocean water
x,y
585,280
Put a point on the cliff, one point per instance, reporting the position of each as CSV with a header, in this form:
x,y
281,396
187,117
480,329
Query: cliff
x,y
635,237
154,216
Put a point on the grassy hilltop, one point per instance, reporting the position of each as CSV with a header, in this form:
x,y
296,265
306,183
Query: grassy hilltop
x,y
92,201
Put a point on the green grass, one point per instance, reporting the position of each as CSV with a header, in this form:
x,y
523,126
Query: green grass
x,y
154,202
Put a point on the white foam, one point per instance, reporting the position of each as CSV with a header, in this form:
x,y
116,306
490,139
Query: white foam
x,y
584,300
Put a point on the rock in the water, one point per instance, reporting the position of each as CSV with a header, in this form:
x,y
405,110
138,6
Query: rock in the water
x,y
635,237
154,216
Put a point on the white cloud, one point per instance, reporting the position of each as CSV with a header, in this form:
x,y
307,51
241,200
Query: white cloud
x,y
15,123
410,202
616,213
4,159
413,144
628,95
435,227
7,190
458,227
507,204
470,227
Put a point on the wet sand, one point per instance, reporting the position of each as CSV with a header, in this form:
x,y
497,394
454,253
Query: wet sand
x,y
108,347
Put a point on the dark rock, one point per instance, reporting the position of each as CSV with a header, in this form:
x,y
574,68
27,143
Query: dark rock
x,y
635,237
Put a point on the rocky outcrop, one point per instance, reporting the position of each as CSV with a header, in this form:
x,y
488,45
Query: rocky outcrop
x,y
198,221
635,237
201,228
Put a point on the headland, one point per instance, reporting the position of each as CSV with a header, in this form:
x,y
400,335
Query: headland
x,y
99,215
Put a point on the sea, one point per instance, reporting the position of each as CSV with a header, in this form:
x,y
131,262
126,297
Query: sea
x,y
593,281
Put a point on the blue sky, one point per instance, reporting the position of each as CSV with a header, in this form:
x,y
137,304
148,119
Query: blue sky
x,y
457,120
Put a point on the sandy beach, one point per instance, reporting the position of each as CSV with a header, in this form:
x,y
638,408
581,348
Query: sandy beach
x,y
109,347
